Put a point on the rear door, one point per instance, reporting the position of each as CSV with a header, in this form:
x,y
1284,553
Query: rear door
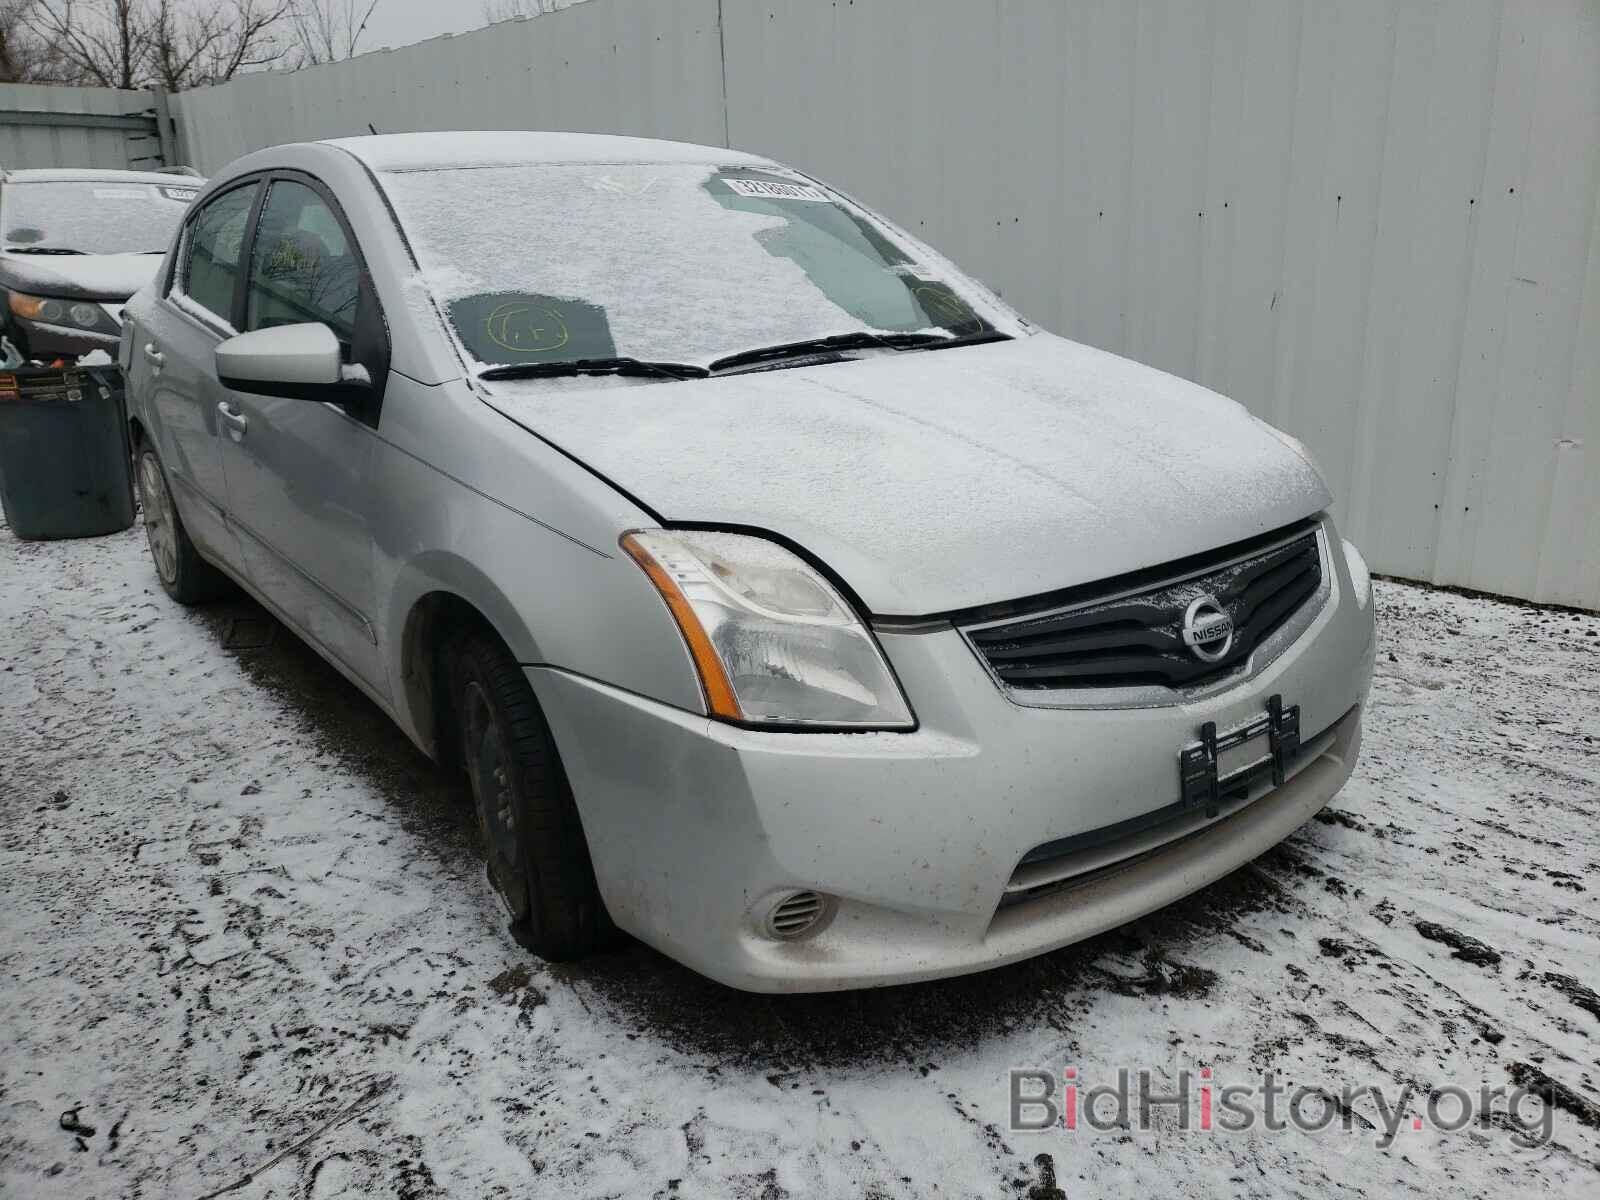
x,y
172,364
298,469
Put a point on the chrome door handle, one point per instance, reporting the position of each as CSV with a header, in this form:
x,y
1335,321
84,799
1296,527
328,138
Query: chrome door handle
x,y
237,423
154,355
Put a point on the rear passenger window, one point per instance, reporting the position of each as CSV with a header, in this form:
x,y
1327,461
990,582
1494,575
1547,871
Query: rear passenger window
x,y
213,244
302,266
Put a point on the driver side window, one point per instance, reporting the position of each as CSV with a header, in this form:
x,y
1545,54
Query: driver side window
x,y
302,265
212,246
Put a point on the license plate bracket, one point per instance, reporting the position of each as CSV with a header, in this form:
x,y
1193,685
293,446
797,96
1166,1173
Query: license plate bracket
x,y
1233,760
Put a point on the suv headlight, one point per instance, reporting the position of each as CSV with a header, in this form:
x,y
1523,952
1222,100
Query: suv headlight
x,y
772,639
68,313
38,308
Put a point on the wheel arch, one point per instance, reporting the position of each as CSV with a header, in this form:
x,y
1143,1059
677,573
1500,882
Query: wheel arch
x,y
438,597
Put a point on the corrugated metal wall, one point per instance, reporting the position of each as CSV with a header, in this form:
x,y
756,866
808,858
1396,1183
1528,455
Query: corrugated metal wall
x,y
1376,223
605,66
77,127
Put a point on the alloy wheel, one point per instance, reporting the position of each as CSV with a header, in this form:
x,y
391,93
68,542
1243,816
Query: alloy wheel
x,y
160,522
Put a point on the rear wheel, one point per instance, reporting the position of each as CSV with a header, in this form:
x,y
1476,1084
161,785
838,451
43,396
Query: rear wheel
x,y
538,859
184,575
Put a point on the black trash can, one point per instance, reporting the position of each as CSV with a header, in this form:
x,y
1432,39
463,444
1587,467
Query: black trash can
x,y
64,453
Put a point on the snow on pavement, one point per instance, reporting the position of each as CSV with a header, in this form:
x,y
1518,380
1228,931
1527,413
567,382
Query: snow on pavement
x,y
246,949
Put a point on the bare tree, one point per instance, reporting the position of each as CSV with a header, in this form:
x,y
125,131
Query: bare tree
x,y
24,56
212,45
101,39
329,30
134,43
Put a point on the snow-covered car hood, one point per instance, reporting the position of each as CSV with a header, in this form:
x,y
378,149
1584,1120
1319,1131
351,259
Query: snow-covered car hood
x,y
78,276
943,480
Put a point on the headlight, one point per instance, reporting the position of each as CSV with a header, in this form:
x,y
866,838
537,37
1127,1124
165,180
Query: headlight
x,y
1360,577
37,308
773,641
53,311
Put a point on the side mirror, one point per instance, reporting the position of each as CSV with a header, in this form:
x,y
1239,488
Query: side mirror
x,y
300,362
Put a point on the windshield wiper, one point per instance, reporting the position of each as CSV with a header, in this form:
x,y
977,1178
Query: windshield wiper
x,y
971,339
859,340
43,250
596,366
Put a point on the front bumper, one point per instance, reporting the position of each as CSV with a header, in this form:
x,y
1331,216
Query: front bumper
x,y
697,827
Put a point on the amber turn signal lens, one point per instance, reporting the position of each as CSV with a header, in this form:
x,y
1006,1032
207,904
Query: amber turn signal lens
x,y
29,307
720,697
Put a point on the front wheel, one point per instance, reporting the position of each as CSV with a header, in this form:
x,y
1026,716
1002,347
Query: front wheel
x,y
184,575
538,858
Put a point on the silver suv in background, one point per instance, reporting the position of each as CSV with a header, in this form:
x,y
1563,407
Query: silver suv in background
x,y
787,600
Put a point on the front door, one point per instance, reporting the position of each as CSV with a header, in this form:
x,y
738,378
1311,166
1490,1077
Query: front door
x,y
298,470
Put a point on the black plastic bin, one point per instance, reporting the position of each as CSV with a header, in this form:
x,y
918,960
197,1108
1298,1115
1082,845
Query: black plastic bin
x,y
64,453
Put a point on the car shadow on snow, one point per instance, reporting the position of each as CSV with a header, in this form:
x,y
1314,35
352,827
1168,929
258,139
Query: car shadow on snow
x,y
644,990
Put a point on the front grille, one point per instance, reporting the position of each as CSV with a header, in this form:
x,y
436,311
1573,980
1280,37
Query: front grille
x,y
1136,638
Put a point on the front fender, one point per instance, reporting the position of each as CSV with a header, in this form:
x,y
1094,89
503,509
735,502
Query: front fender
x,y
441,571
571,600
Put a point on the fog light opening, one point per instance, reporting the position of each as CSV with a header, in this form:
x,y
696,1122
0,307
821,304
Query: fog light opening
x,y
795,915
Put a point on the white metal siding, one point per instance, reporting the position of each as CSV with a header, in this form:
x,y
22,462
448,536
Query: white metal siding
x,y
1375,223
647,69
33,145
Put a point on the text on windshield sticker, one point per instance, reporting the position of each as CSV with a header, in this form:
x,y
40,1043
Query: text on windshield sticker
x,y
768,189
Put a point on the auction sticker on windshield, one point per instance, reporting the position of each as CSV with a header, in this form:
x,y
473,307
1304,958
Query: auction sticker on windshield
x,y
772,190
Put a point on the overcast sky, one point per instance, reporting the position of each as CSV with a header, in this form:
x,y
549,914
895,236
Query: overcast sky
x,y
401,22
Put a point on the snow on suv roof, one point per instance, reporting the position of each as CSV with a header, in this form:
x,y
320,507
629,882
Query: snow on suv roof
x,y
93,175
506,148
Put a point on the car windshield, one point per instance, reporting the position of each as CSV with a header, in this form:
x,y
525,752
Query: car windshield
x,y
684,263
92,216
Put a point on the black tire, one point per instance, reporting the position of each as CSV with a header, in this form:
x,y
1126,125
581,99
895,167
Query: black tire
x,y
538,859
184,575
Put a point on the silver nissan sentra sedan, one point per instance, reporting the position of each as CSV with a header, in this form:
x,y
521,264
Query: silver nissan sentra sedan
x,y
788,601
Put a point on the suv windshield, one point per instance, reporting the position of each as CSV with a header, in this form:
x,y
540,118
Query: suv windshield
x,y
92,216
686,263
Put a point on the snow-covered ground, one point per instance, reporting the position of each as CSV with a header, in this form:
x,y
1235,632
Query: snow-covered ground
x,y
246,949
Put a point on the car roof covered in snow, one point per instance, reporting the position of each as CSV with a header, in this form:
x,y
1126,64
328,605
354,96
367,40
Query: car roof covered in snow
x,y
94,175
508,148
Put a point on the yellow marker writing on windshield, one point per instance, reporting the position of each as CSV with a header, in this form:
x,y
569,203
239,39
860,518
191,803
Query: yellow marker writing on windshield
x,y
526,328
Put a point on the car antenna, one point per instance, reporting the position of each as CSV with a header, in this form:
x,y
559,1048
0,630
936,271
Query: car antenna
x,y
371,128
